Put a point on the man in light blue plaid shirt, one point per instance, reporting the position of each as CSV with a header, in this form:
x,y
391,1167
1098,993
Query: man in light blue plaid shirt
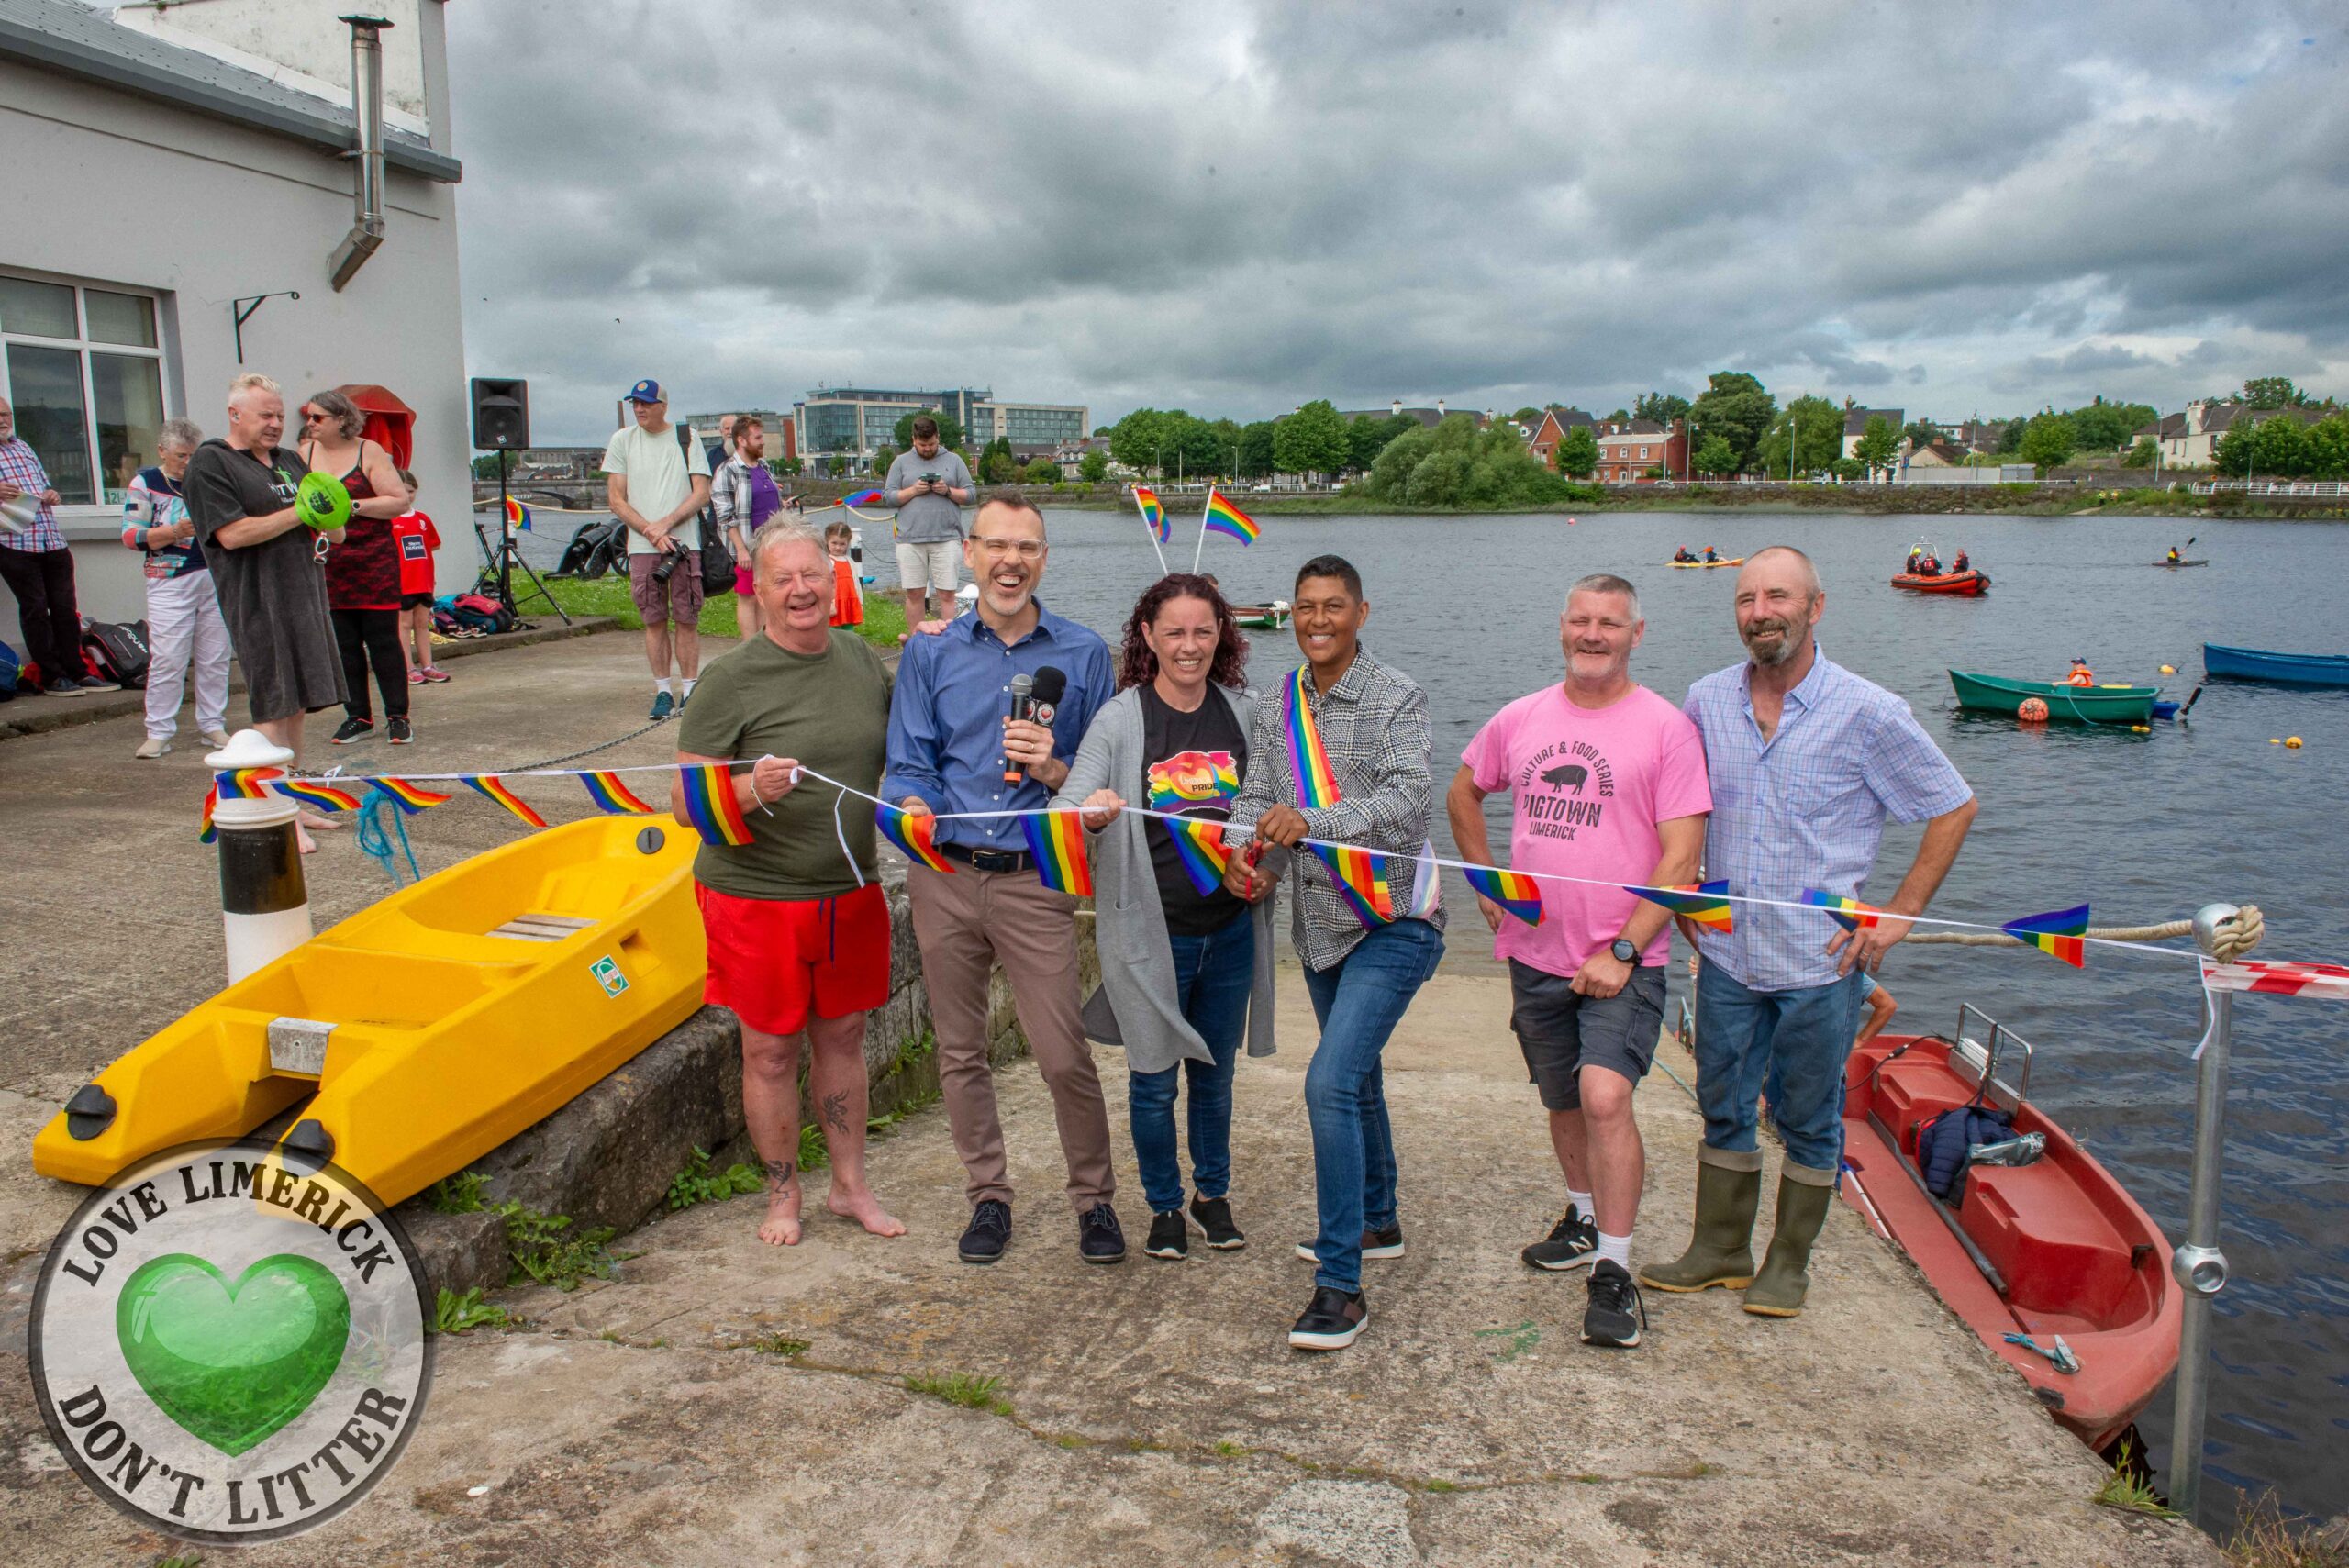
x,y
1806,761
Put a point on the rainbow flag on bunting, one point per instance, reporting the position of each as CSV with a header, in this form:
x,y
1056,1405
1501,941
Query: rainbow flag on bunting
x,y
1360,878
1153,515
609,795
517,516
245,784
1512,890
494,788
707,790
912,834
2057,932
1707,903
206,832
1223,517
318,792
1848,913
1057,840
864,498
1198,844
410,799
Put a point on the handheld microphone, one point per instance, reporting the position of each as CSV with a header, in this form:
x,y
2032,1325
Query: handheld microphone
x,y
1033,700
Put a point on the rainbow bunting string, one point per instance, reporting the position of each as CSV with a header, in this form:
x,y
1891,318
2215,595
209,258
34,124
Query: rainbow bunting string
x,y
206,832
494,788
2058,932
707,790
245,784
1153,515
1848,913
1707,903
1198,844
1512,890
915,836
862,498
410,799
1225,519
1058,843
1360,878
609,795
318,792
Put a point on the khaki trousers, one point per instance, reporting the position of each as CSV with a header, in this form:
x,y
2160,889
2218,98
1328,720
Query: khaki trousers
x,y
965,924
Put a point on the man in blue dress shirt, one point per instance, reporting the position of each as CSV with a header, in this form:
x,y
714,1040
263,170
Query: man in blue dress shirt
x,y
1806,761
954,746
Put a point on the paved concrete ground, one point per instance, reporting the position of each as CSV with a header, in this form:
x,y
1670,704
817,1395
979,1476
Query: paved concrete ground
x,y
1147,1413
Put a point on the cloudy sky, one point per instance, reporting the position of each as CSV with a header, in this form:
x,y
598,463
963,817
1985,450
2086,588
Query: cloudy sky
x,y
1232,206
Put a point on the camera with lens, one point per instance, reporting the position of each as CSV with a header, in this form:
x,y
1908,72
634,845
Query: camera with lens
x,y
667,567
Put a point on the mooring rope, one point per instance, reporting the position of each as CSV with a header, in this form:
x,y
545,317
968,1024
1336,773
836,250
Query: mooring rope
x,y
2240,937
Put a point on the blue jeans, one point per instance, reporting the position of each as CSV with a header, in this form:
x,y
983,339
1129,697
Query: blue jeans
x,y
1358,1001
1798,1040
1213,974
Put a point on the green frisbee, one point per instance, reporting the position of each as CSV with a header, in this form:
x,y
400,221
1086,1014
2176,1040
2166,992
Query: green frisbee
x,y
322,502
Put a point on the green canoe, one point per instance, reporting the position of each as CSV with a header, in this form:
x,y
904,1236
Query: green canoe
x,y
2084,705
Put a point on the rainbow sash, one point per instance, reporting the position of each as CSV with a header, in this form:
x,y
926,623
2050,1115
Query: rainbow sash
x,y
1057,840
1360,876
707,790
494,788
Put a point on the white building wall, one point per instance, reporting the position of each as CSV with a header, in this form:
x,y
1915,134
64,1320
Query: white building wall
x,y
134,191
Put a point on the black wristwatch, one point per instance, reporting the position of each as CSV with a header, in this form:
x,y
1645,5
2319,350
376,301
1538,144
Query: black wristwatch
x,y
1625,952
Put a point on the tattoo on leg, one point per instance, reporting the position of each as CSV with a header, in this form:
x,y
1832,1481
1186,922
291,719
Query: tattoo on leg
x,y
779,1172
836,1110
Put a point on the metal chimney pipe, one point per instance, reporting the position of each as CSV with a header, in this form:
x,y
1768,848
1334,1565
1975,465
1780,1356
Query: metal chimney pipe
x,y
366,235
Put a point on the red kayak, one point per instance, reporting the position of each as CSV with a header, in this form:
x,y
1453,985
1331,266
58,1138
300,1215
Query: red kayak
x,y
1969,582
2052,1248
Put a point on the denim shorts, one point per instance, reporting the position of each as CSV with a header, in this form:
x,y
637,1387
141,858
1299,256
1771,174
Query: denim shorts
x,y
1563,1031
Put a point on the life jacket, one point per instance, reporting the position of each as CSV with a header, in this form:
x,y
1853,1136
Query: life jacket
x,y
2081,675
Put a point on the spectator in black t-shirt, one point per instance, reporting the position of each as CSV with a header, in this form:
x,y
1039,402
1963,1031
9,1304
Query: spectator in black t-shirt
x,y
1182,970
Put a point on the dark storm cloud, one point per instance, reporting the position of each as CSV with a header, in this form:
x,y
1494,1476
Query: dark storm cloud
x,y
1235,206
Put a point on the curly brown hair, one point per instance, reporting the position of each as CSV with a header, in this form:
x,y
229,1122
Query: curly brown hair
x,y
1136,665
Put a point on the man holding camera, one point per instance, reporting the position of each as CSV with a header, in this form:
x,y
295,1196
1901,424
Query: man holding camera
x,y
658,483
930,487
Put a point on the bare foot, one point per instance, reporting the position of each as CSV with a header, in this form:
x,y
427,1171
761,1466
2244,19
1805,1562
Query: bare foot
x,y
781,1227
303,842
311,817
866,1210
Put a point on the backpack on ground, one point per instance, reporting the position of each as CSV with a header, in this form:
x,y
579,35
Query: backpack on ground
x,y
116,651
476,612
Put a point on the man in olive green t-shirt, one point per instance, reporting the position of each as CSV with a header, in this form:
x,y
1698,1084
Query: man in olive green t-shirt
x,y
798,937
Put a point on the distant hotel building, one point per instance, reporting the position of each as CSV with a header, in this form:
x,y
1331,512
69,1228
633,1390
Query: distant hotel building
x,y
856,421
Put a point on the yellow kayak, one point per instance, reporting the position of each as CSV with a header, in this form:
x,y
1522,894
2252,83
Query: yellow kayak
x,y
427,1028
1686,565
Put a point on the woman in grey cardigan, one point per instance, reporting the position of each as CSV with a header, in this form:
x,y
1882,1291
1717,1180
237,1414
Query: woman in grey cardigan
x,y
1182,970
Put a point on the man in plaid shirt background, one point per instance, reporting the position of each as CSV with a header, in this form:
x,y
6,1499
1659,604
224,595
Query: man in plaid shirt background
x,y
38,569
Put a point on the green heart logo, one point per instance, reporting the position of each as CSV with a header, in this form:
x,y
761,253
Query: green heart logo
x,y
231,1363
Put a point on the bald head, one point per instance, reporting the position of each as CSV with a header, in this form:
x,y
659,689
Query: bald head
x,y
1780,563
1778,602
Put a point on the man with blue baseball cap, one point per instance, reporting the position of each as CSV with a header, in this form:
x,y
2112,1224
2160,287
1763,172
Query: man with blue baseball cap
x,y
659,482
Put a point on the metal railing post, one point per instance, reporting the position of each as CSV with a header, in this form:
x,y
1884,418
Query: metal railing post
x,y
2200,1265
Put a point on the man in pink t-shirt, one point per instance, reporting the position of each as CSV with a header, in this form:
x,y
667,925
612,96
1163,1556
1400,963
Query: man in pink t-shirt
x,y
1606,782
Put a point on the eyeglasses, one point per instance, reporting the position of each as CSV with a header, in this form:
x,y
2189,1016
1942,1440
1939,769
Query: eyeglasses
x,y
1026,549
310,417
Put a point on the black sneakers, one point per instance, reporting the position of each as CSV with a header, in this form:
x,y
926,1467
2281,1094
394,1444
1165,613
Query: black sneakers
x,y
1616,1314
1572,1243
1214,1215
1331,1322
354,729
1169,1236
1386,1243
1099,1239
400,734
990,1231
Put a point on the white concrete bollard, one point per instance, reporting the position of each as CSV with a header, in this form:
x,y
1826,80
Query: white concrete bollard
x,y
264,902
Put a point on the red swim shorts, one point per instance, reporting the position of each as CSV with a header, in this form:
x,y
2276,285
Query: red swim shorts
x,y
771,960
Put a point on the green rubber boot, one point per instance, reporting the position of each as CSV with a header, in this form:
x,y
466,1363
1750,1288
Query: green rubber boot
x,y
1777,1291
1720,1252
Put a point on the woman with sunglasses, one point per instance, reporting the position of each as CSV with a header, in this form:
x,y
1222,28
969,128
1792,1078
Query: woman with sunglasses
x,y
363,571
1182,971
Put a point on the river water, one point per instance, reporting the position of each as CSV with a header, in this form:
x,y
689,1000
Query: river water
x,y
2143,827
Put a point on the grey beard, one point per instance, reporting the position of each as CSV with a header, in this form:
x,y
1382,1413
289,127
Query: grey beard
x,y
1786,650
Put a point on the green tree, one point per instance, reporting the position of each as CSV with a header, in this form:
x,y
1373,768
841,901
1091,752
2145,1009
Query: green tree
x,y
1042,470
1715,459
1528,415
836,466
1662,408
2279,448
1100,431
1093,466
1458,466
1735,407
2101,427
950,429
997,465
1920,433
1878,446
883,459
2273,392
1135,439
2328,447
1814,428
785,467
2048,441
1578,452
2011,435
1311,441
486,467
1189,445
1366,437
2142,454
1848,469
1256,450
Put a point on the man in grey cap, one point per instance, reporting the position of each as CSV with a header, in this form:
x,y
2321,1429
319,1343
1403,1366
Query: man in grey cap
x,y
658,483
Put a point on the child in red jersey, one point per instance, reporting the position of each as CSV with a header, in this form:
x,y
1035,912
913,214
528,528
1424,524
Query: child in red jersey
x,y
414,539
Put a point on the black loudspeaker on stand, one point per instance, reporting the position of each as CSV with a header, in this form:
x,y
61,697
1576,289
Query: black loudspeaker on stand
x,y
502,423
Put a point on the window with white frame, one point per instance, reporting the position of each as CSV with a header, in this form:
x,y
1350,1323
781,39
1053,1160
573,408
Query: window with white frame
x,y
82,366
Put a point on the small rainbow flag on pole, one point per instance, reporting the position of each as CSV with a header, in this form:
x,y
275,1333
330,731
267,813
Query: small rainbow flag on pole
x,y
206,832
494,788
863,498
1360,878
1153,515
410,799
1223,517
707,790
1512,890
1848,913
2057,932
1707,903
912,834
1198,844
245,784
609,795
517,516
1057,840
318,792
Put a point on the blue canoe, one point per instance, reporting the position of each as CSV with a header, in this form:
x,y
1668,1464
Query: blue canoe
x,y
2285,669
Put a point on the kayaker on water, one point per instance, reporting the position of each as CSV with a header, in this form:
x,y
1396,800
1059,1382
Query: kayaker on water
x,y
2081,674
1681,553
1711,554
2172,555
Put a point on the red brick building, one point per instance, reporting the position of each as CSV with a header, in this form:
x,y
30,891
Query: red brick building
x,y
1632,451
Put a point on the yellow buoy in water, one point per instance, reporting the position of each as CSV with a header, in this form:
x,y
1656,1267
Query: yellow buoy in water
x,y
2291,742
2141,729
2275,740
2169,669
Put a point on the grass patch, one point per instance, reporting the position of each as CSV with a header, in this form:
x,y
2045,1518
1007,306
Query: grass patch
x,y
544,1248
2264,1538
2131,1489
460,1193
698,1184
776,1345
884,612
961,1388
179,1563
453,1314
1227,1449
1439,1485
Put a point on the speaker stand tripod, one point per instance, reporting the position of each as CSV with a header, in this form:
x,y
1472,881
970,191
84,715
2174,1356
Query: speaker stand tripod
x,y
504,556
